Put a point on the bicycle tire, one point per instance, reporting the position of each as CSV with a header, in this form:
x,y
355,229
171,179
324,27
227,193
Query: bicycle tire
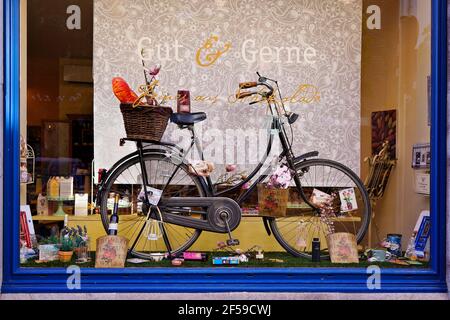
x,y
360,185
133,161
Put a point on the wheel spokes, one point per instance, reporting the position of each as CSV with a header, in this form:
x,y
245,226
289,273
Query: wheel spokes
x,y
302,223
145,235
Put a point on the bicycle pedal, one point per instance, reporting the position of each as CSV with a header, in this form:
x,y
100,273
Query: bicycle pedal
x,y
233,242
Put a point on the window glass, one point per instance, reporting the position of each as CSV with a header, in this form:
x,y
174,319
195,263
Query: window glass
x,y
187,130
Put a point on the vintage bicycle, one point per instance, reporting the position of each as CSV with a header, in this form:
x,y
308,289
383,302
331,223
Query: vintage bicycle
x,y
187,204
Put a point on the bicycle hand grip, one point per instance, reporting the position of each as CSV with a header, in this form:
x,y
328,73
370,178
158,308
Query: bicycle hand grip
x,y
242,95
248,85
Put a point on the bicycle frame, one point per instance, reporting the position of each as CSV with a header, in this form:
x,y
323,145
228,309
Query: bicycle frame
x,y
287,153
210,193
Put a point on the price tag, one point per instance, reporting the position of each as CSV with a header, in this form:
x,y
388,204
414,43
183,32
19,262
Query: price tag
x,y
154,195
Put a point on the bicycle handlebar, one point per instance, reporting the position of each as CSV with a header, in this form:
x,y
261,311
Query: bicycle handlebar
x,y
271,89
243,95
248,85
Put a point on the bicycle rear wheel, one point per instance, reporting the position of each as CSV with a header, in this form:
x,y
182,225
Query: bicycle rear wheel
x,y
144,234
296,231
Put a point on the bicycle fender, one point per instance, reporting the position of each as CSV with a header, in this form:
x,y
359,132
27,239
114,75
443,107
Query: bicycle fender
x,y
160,151
306,156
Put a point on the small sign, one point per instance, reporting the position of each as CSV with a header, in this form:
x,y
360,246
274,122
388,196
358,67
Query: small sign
x,y
42,205
348,200
421,157
423,183
29,219
423,229
48,253
111,252
320,198
154,195
81,204
343,248
218,261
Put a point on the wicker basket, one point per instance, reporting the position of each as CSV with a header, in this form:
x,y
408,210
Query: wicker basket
x,y
272,202
145,122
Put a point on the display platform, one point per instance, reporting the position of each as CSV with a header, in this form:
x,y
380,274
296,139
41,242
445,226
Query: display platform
x,y
271,260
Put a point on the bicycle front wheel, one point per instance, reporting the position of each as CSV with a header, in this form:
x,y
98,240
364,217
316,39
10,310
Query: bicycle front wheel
x,y
349,212
145,235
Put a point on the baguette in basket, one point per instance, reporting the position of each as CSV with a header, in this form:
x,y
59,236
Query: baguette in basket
x,y
123,92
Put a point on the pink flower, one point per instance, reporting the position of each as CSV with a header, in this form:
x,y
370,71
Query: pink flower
x,y
280,179
246,186
155,70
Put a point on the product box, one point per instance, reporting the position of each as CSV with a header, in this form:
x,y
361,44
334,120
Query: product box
x,y
66,187
423,232
226,261
421,157
48,253
42,205
81,204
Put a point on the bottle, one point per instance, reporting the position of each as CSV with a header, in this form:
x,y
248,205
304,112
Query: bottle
x,y
411,250
114,222
66,221
316,250
65,230
23,254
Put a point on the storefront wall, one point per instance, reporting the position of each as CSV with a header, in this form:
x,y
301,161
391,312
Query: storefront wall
x,y
1,174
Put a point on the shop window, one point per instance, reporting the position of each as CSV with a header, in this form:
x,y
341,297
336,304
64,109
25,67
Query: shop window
x,y
103,79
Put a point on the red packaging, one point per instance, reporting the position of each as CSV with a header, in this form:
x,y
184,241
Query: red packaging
x,y
184,101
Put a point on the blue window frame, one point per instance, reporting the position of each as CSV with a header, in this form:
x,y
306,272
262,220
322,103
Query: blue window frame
x,y
17,280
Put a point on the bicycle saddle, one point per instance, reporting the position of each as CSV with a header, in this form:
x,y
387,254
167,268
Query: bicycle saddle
x,y
188,119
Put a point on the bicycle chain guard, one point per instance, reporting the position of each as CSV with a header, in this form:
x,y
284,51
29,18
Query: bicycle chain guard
x,y
216,210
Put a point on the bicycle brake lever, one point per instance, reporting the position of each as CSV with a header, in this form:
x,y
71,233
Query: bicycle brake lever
x,y
261,78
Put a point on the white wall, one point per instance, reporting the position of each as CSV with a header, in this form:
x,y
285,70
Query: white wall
x,y
329,125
